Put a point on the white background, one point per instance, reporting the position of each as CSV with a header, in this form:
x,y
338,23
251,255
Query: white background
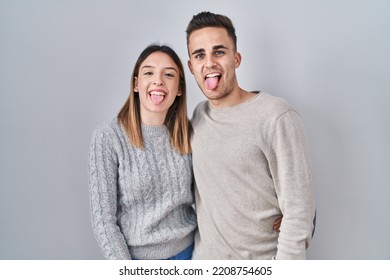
x,y
65,68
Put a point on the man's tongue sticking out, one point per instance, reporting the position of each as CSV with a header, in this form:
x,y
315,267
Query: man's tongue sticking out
x,y
212,83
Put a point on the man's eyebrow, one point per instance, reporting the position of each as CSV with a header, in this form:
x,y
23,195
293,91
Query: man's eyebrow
x,y
219,47
198,51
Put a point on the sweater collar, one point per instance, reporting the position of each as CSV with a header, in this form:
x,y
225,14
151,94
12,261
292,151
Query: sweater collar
x,y
153,130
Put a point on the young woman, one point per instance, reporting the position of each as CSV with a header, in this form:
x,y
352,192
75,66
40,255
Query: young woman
x,y
140,170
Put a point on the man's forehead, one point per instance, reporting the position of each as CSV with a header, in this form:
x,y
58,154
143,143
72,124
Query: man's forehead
x,y
209,38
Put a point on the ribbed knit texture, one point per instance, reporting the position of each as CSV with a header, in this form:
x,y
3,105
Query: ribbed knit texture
x,y
141,199
251,164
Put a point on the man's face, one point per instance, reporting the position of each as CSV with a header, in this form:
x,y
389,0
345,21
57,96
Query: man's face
x,y
213,60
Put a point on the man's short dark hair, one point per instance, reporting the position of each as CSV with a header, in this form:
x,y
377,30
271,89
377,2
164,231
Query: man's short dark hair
x,y
208,19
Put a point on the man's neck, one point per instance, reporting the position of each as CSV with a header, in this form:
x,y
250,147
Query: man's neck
x,y
234,98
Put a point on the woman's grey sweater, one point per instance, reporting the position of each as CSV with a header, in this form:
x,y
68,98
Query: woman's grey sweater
x,y
141,199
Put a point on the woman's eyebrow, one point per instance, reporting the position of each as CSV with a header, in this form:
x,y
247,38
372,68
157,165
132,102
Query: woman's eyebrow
x,y
167,68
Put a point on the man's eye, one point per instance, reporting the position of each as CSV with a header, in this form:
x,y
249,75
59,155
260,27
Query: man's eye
x,y
219,53
199,56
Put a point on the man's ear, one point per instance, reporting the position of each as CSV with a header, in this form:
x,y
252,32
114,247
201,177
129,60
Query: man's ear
x,y
238,59
190,66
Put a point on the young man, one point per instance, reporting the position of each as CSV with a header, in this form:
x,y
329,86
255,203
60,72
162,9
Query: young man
x,y
250,157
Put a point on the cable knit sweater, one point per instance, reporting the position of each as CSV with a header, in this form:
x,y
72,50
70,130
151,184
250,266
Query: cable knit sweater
x,y
141,199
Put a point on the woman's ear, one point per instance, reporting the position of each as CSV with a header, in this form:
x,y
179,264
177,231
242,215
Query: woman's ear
x,y
135,84
180,89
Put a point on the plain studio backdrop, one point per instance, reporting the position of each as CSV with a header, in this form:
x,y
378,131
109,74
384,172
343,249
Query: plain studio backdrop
x,y
65,67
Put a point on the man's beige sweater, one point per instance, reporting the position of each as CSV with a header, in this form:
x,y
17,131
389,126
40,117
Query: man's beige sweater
x,y
251,164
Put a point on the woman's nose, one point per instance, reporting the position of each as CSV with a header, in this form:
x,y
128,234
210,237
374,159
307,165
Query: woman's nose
x,y
158,81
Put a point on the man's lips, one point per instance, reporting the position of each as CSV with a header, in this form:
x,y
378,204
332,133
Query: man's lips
x,y
212,75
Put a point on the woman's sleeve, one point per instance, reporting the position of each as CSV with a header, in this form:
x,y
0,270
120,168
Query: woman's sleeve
x,y
103,176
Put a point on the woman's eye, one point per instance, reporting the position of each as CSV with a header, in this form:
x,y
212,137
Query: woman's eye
x,y
171,75
148,73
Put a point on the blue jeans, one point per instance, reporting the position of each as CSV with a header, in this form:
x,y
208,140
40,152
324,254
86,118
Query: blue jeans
x,y
186,254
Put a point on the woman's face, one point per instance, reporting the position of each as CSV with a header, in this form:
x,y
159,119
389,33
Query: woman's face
x,y
157,85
